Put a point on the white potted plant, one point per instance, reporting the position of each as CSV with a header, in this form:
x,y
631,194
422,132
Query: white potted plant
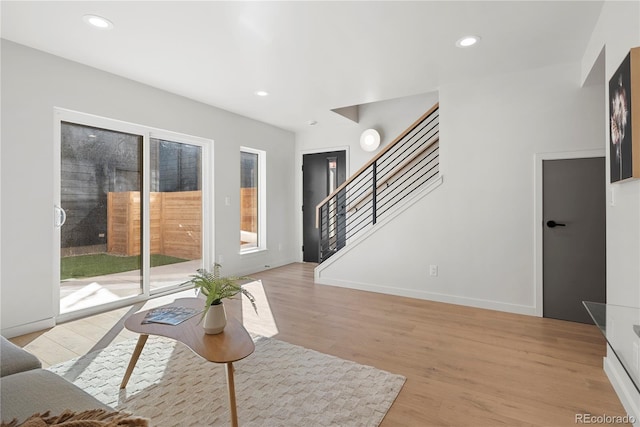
x,y
217,288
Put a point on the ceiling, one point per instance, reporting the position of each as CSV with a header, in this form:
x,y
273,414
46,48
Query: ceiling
x,y
310,56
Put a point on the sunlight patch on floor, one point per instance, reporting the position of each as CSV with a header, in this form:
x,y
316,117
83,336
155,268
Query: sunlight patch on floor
x,y
88,296
262,323
80,293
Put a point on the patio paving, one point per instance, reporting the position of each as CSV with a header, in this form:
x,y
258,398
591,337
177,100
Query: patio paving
x,y
86,292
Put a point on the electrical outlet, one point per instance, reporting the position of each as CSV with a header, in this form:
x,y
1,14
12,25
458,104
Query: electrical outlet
x,y
433,270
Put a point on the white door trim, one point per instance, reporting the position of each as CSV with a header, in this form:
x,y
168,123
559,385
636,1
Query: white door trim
x,y
538,217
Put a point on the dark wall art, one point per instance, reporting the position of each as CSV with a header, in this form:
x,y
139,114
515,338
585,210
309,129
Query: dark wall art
x,y
624,119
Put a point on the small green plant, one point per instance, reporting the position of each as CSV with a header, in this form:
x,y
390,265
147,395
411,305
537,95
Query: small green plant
x,y
216,288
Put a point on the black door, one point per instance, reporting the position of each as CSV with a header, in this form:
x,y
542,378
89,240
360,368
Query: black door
x,y
321,174
574,264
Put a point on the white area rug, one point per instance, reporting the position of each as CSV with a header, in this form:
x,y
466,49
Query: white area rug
x,y
280,384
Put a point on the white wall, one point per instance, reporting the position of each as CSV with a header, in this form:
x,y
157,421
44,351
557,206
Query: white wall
x,y
617,31
33,83
478,227
389,117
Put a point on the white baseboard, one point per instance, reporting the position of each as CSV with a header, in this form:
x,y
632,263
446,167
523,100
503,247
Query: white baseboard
x,y
27,328
431,296
256,268
627,393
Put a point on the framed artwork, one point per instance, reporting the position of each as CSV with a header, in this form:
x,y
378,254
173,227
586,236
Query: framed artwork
x,y
624,119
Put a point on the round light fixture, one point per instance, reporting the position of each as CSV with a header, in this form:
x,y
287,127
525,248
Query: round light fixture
x,y
261,93
467,41
369,140
98,22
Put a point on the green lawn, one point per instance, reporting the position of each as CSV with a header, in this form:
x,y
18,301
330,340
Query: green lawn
x,y
100,264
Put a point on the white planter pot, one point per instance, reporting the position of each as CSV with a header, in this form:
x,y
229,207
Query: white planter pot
x,y
215,320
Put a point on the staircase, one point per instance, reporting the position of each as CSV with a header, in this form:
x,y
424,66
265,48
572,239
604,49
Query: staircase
x,y
405,166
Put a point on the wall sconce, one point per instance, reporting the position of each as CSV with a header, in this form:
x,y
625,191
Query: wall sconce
x,y
370,140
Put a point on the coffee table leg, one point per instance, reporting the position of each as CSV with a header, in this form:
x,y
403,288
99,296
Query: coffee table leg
x,y
134,358
232,394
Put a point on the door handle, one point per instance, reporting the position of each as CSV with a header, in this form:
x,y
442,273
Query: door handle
x,y
553,224
60,217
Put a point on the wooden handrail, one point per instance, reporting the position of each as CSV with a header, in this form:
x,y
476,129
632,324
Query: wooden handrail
x,y
392,174
374,159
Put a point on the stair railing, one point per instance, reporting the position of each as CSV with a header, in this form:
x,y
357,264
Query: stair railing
x,y
405,165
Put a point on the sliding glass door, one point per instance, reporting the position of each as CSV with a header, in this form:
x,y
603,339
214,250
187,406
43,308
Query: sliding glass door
x,y
129,214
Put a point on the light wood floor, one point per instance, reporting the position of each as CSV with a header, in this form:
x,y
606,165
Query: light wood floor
x,y
464,366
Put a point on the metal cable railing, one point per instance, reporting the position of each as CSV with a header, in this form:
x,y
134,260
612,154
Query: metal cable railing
x,y
407,164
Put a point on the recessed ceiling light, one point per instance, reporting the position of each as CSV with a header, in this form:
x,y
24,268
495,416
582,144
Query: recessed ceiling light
x,y
261,93
98,22
467,41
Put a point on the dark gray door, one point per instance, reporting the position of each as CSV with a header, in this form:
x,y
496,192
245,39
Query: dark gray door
x,y
321,174
574,258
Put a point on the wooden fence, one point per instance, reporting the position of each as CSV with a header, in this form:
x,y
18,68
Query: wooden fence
x,y
249,210
176,223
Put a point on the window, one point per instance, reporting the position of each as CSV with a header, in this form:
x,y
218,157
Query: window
x,y
252,200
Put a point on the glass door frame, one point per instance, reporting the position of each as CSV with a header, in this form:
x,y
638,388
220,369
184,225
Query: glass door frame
x,y
147,133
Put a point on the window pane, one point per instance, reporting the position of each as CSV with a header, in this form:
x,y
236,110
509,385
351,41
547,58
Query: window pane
x,y
100,242
248,200
176,212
